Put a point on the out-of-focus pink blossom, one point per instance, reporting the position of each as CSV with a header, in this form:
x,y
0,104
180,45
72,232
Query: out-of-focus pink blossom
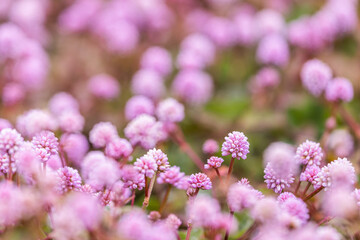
x,y
104,86
138,105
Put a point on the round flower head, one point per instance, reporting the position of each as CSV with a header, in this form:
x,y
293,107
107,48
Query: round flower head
x,y
45,144
356,195
278,150
204,211
160,158
200,181
315,76
118,148
327,233
104,86
104,175
269,21
341,142
245,29
35,121
145,131
242,196
27,161
11,39
339,89
285,196
138,105
265,78
63,102
339,172
173,221
193,86
296,208
183,183
309,153
309,174
339,202
170,110
236,144
214,162
146,165
75,145
132,178
4,124
10,141
221,31
171,176
133,224
90,162
210,146
157,59
67,179
5,164
71,122
148,83
266,210
102,133
273,49
13,93
277,180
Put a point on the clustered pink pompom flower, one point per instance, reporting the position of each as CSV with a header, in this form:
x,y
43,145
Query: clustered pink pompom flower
x,y
104,86
146,165
276,179
157,59
45,144
63,102
171,176
75,146
102,133
236,144
285,196
309,153
160,158
339,172
145,131
173,221
273,49
200,181
269,21
10,141
339,89
132,178
67,179
148,83
138,105
118,148
315,76
5,164
265,78
210,147
241,196
341,142
296,208
310,173
170,111
214,162
71,122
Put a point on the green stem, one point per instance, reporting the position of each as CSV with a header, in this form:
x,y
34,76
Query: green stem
x,y
165,198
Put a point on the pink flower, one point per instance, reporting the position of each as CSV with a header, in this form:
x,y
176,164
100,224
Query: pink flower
x,y
132,178
315,76
193,86
171,176
118,148
138,105
170,110
269,21
273,49
5,124
10,141
266,210
236,144
12,94
173,221
265,78
11,40
148,83
214,162
75,146
102,133
68,179
104,174
310,173
339,202
71,122
285,196
309,153
27,161
183,183
157,59
242,196
341,142
200,181
146,165
276,179
5,164
210,146
203,212
339,89
296,208
104,86
160,158
63,102
45,144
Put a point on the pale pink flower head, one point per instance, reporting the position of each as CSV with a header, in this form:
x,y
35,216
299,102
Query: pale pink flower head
x,y
170,111
339,202
200,181
10,141
309,153
285,196
118,148
276,179
71,122
173,221
193,86
310,173
68,179
266,210
146,165
245,29
210,147
102,133
104,175
13,93
236,144
75,145
27,161
104,86
160,158
315,76
11,205
221,31
157,59
214,162
148,83
296,208
63,102
327,233
78,16
183,183
45,144
341,142
145,131
204,211
132,178
241,196
34,121
138,105
120,193
5,124
91,160
133,225
171,176
265,78
273,49
339,89
269,21
11,40
276,150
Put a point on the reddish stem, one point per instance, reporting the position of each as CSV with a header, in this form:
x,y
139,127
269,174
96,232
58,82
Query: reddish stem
x,y
313,193
231,166
163,203
306,189
348,118
218,173
133,198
